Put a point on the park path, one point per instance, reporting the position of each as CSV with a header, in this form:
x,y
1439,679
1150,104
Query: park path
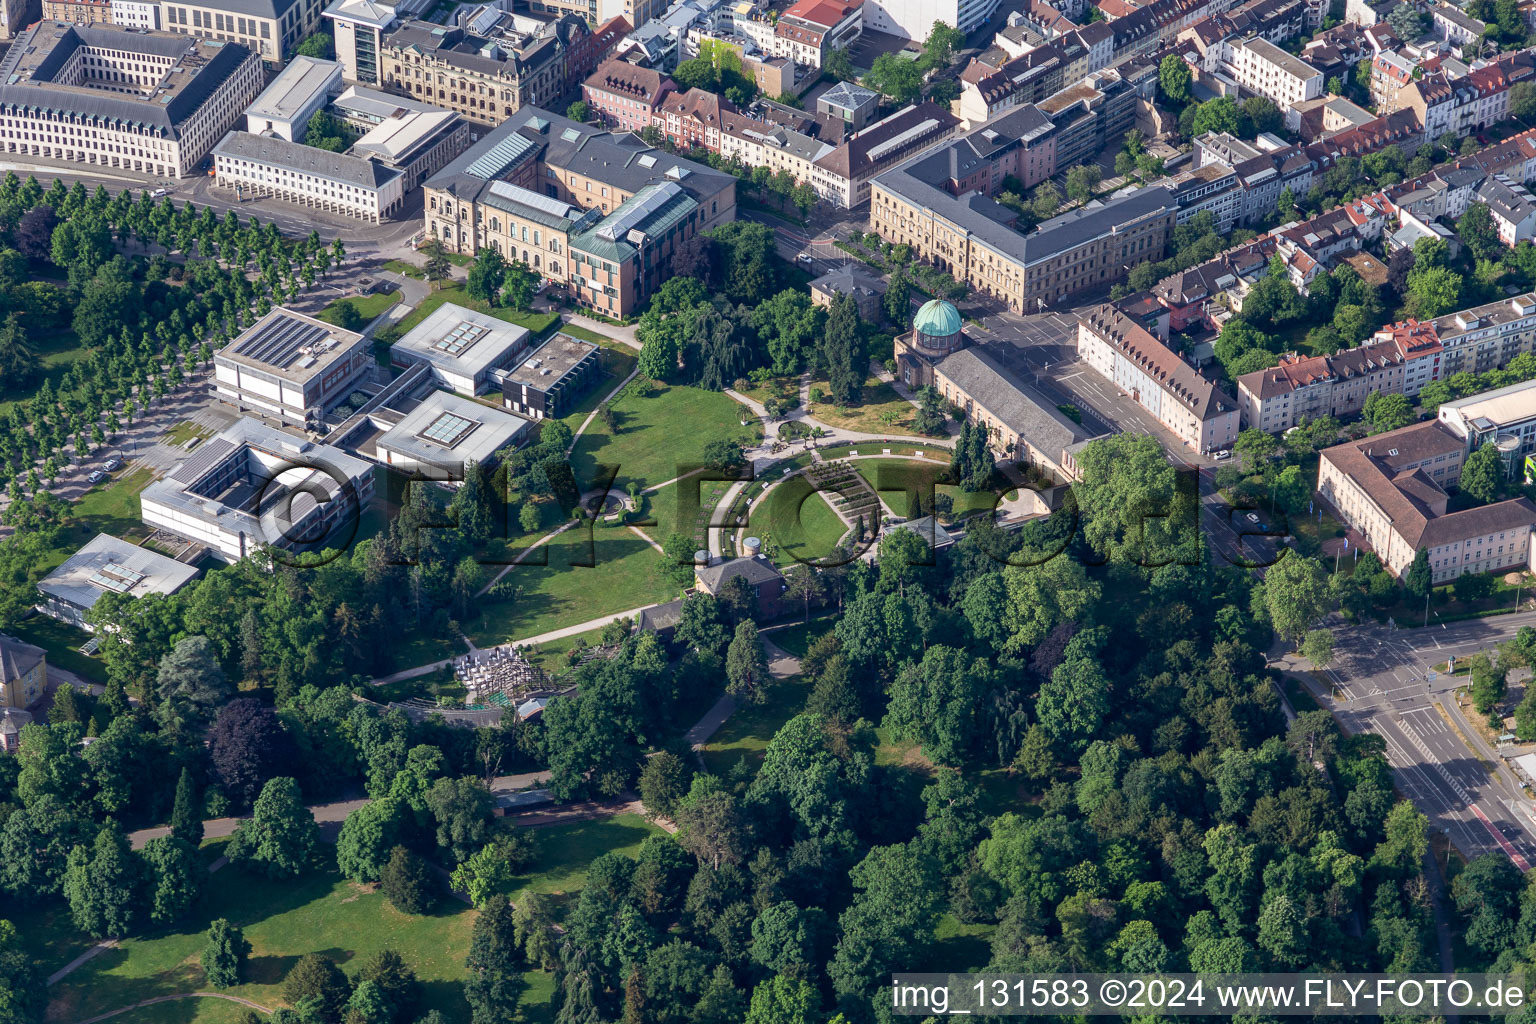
x,y
249,1004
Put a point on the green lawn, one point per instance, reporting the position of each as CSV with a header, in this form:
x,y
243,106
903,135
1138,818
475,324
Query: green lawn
x,y
183,432
57,353
661,509
617,364
879,410
402,267
747,732
535,322
62,642
201,1010
562,853
892,478
282,920
799,520
660,429
370,306
47,933
610,570
961,947
797,639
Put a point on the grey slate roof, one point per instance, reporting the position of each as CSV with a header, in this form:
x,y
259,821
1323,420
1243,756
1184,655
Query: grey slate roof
x,y
71,582
1031,414
17,658
28,83
753,570
350,170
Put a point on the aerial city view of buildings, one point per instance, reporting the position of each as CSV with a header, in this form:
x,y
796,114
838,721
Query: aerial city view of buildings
x,y
686,510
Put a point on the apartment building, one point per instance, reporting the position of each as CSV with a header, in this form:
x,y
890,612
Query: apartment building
x,y
270,28
808,30
1197,412
1261,67
153,103
625,96
1511,207
78,12
1299,389
1393,489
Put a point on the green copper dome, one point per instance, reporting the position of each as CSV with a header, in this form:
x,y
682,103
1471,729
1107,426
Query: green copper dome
x,y
937,319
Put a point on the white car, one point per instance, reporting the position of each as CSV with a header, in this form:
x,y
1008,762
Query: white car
x,y
113,464
157,193
96,477
1253,517
1223,454
804,257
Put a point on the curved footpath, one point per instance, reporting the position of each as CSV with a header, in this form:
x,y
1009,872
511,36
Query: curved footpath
x,y
185,995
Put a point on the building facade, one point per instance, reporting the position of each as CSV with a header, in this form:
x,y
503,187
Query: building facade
x,y
150,103
291,366
270,28
348,186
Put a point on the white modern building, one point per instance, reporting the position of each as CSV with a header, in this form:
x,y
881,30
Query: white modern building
x,y
143,15
299,91
416,139
291,367
349,186
913,19
445,432
468,351
108,565
254,486
359,27
149,102
1262,67
1504,416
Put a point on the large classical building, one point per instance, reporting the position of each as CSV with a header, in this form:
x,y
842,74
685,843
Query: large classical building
x,y
543,189
974,238
339,183
148,102
1392,488
1198,412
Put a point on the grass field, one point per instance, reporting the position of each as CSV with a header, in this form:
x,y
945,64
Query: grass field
x,y
402,267
617,364
799,520
62,642
201,1010
610,570
369,306
891,478
562,853
282,920
661,509
183,432
879,410
797,639
657,434
746,733
535,322
57,353
47,933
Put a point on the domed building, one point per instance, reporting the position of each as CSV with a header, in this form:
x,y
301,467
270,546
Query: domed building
x,y
937,331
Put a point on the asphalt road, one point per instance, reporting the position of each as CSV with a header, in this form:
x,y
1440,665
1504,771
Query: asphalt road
x,y
1382,684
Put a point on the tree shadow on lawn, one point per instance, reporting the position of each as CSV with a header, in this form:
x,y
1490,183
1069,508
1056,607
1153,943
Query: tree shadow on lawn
x,y
447,996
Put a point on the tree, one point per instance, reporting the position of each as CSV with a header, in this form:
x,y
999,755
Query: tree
x,y
190,685
491,871
1433,291
320,46
939,49
104,885
1388,411
318,985
492,983
839,65
894,77
225,953
463,810
248,745
746,664
1481,474
1082,180
1419,577
368,837
841,351
1295,592
176,876
327,132
1488,683
1317,647
280,837
19,362
896,303
399,985
1218,115
1407,22
1045,201
518,283
486,274
1522,101
1263,115
1476,229
409,883
33,233
1174,78
578,112
436,266
784,1000
663,782
186,816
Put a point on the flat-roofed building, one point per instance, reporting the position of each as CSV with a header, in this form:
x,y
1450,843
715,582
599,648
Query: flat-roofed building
x,y
1262,67
291,366
108,565
254,486
1198,412
299,91
359,187
358,28
1392,488
464,348
152,103
445,432
416,139
1507,413
552,377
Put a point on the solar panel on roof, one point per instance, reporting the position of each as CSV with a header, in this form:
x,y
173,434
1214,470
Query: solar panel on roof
x,y
208,456
448,429
278,341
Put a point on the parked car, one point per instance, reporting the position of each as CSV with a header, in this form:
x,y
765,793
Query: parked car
x,y
1252,518
96,477
113,464
157,193
1223,454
